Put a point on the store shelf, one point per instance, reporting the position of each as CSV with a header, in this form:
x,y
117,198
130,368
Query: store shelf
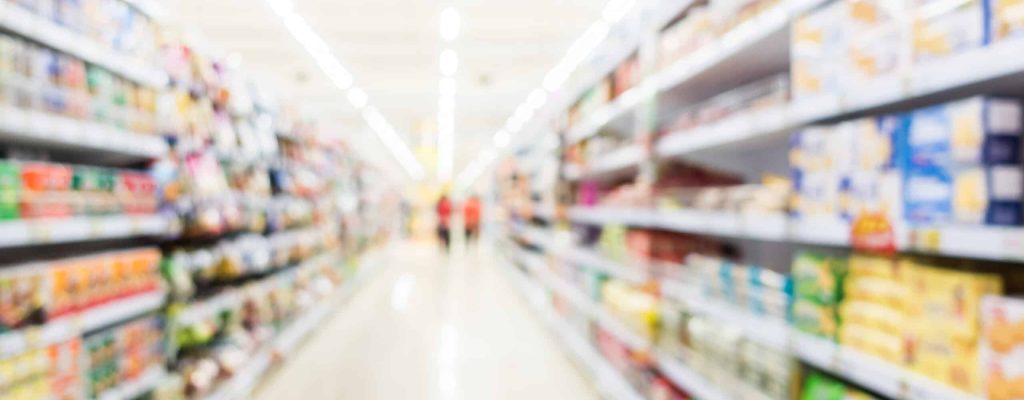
x,y
616,113
67,327
615,163
872,373
687,379
609,382
588,258
137,387
24,23
62,133
80,229
121,310
241,385
964,241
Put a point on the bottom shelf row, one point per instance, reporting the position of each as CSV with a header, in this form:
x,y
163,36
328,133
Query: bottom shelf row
x,y
723,352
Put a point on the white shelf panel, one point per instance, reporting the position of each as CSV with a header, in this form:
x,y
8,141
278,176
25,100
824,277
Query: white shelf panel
x,y
120,310
24,23
619,160
590,259
151,8
70,326
692,382
976,242
54,131
79,229
616,110
138,387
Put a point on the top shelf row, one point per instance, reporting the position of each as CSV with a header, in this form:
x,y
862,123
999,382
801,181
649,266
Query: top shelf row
x,y
761,46
25,23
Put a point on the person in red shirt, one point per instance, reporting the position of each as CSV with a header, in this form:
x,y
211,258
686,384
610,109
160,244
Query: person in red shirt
x,y
444,217
471,214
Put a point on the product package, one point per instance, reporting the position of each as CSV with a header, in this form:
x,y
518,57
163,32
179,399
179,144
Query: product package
x,y
817,52
818,292
940,31
973,131
1007,19
1002,350
944,321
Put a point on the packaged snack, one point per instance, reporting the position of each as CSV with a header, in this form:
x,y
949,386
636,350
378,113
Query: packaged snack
x,y
1007,19
988,195
939,30
1002,349
927,195
10,190
973,131
817,52
876,41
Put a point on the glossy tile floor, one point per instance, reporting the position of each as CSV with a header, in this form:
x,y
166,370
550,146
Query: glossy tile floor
x,y
431,326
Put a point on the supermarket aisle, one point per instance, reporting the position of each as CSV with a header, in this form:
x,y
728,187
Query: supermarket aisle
x,y
431,326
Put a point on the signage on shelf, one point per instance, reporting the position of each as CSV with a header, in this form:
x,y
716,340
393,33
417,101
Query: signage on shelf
x,y
873,232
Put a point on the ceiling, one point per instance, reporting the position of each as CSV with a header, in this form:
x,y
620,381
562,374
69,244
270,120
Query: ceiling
x,y
391,47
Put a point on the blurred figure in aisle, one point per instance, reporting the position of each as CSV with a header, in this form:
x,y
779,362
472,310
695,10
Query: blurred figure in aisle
x,y
471,214
444,217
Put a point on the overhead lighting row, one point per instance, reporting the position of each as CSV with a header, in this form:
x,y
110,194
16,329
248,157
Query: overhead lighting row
x,y
341,78
448,63
553,81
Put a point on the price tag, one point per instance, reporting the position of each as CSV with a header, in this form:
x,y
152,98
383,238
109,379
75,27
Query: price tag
x,y
928,239
136,227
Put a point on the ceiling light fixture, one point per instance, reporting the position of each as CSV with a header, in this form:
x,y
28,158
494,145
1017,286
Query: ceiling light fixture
x,y
329,64
450,24
553,81
449,62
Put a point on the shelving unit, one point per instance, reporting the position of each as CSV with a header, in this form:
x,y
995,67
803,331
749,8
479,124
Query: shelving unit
x,y
40,30
79,229
62,133
723,117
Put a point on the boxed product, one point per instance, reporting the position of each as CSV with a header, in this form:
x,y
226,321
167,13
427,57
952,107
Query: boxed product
x,y
818,386
10,190
977,130
22,297
988,195
1002,348
816,52
1006,19
939,30
944,320
876,40
817,293
927,195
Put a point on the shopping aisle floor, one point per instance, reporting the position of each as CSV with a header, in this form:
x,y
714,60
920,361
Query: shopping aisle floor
x,y
431,326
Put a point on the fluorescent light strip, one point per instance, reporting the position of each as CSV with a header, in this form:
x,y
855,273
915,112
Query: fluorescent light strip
x,y
450,24
329,64
577,53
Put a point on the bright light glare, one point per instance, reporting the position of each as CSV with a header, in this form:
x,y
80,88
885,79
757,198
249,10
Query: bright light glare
x,y
357,97
393,142
616,9
446,87
513,124
501,138
537,99
329,64
450,24
449,62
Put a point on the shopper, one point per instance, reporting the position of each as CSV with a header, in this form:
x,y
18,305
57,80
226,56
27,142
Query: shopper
x,y
471,216
444,216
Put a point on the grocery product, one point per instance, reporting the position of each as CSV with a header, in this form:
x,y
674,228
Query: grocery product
x,y
1002,350
940,30
1006,20
962,163
873,311
818,386
817,292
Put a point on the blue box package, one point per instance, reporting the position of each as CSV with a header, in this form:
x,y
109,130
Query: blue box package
x,y
973,131
927,195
